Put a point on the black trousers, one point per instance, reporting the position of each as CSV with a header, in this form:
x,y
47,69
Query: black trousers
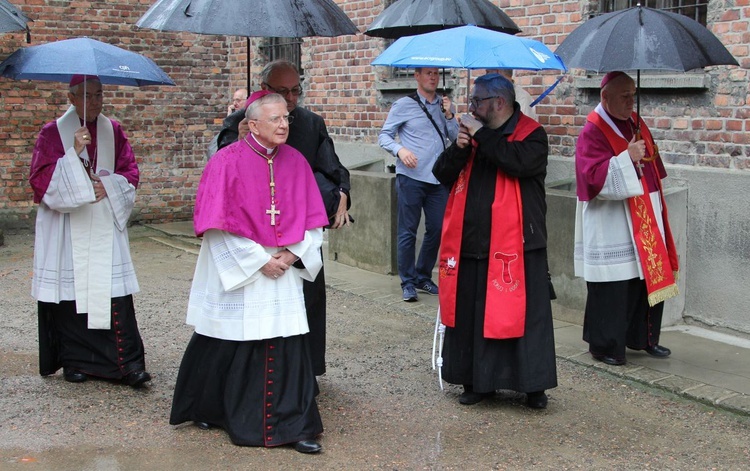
x,y
618,316
315,305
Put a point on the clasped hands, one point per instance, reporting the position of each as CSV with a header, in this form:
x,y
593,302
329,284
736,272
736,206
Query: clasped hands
x,y
99,191
279,263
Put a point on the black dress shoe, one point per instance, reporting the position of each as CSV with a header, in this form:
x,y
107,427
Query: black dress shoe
x,y
609,360
308,446
74,376
658,351
469,397
536,400
202,425
137,378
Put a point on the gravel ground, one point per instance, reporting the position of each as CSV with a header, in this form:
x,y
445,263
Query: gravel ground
x,y
381,405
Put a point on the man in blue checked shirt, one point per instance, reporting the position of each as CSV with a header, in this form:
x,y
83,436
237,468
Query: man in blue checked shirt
x,y
425,125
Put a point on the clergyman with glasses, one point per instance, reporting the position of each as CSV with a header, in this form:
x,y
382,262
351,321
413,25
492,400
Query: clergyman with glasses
x,y
309,135
494,290
247,368
84,176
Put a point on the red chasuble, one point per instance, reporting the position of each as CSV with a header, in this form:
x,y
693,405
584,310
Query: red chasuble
x,y
658,256
505,311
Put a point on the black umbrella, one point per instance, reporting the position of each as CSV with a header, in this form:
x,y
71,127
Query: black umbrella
x,y
259,18
11,19
410,17
641,38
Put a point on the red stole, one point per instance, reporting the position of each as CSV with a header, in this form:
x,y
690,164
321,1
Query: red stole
x,y
505,309
658,256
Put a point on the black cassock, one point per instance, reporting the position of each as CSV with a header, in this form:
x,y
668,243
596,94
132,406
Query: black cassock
x,y
525,364
308,134
66,341
269,406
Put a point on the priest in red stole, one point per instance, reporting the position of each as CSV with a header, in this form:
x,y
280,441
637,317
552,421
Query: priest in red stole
x,y
494,286
84,176
623,245
247,368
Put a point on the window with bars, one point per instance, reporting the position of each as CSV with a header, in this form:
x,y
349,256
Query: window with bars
x,y
695,9
283,48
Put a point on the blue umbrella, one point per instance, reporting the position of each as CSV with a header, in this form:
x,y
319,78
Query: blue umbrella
x,y
13,19
471,47
59,61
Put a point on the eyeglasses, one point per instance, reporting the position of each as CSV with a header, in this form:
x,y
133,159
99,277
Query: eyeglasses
x,y
474,101
276,120
90,96
296,91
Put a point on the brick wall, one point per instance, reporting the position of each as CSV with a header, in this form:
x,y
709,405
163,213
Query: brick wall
x,y
170,126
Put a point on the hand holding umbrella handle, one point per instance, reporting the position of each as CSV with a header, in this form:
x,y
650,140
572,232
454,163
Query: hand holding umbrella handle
x,y
81,139
646,156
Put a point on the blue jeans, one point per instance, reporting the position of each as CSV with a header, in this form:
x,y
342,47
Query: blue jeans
x,y
415,196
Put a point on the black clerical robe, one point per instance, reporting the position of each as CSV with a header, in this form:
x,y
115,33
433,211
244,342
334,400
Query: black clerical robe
x,y
525,364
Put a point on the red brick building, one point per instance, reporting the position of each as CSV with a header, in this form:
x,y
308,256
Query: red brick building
x,y
700,119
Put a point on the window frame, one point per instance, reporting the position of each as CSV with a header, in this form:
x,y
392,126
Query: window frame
x,y
274,48
699,7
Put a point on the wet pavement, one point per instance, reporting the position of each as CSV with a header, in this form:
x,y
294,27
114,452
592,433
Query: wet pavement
x,y
380,401
706,366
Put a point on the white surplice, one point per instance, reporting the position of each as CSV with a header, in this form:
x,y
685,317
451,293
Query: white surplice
x,y
605,247
231,299
81,248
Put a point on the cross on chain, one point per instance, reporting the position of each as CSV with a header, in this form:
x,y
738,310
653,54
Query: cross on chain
x,y
272,211
640,166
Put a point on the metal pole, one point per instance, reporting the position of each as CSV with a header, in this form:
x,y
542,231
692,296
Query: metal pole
x,y
249,67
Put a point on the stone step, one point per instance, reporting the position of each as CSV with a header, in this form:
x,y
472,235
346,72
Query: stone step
x,y
181,243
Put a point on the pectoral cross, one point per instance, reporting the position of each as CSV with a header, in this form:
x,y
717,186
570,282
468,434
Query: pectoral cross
x,y
273,212
639,165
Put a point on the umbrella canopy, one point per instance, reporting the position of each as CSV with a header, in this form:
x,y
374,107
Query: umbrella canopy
x,y
410,17
59,61
469,47
11,19
260,18
642,38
